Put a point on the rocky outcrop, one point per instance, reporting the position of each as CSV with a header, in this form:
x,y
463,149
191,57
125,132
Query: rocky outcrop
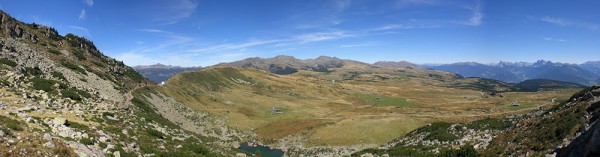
x,y
26,57
588,142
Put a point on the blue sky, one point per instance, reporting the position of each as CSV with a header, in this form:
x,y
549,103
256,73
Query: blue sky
x,y
207,32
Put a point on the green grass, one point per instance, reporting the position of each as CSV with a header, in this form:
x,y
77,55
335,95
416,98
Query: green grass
x,y
489,123
78,126
8,62
58,75
75,94
53,51
44,84
386,101
11,124
74,67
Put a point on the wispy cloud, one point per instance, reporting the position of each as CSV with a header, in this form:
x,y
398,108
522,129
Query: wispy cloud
x,y
327,15
155,31
322,36
554,39
177,10
82,15
406,26
476,16
83,30
89,2
360,45
341,5
566,22
232,46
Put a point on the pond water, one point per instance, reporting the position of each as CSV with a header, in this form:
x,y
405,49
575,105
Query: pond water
x,y
264,151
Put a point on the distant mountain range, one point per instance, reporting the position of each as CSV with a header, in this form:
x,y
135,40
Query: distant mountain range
x,y
159,72
586,74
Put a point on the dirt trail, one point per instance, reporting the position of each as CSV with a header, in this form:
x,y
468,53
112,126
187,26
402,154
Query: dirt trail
x,y
129,95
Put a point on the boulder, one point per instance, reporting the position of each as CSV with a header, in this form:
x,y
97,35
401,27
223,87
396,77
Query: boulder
x,y
58,121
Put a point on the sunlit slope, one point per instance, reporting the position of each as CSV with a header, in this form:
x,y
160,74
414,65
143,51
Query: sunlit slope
x,y
369,104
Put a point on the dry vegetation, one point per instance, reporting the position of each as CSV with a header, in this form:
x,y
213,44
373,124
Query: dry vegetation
x,y
345,111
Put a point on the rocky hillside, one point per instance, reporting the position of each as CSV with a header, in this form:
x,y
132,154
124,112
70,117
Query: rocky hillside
x,y
159,72
568,129
60,96
585,74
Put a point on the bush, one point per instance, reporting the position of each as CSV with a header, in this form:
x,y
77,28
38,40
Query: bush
x,y
155,133
11,123
8,62
74,67
36,71
53,51
78,126
58,75
75,94
86,141
44,84
489,123
441,135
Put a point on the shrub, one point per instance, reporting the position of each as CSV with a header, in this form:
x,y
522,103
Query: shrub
x,y
44,84
79,54
75,94
58,75
53,51
86,141
155,133
11,123
74,67
8,62
36,71
78,126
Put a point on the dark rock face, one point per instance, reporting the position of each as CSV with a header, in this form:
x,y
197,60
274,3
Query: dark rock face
x,y
281,70
588,143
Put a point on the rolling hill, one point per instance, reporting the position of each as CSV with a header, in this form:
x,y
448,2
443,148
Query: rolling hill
x,y
567,129
370,104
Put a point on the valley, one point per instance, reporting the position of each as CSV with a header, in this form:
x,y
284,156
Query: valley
x,y
328,109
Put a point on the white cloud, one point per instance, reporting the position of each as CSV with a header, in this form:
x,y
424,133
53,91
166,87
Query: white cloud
x,y
82,15
89,2
232,47
176,10
341,5
155,31
554,39
83,30
413,25
566,22
556,21
477,16
322,36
